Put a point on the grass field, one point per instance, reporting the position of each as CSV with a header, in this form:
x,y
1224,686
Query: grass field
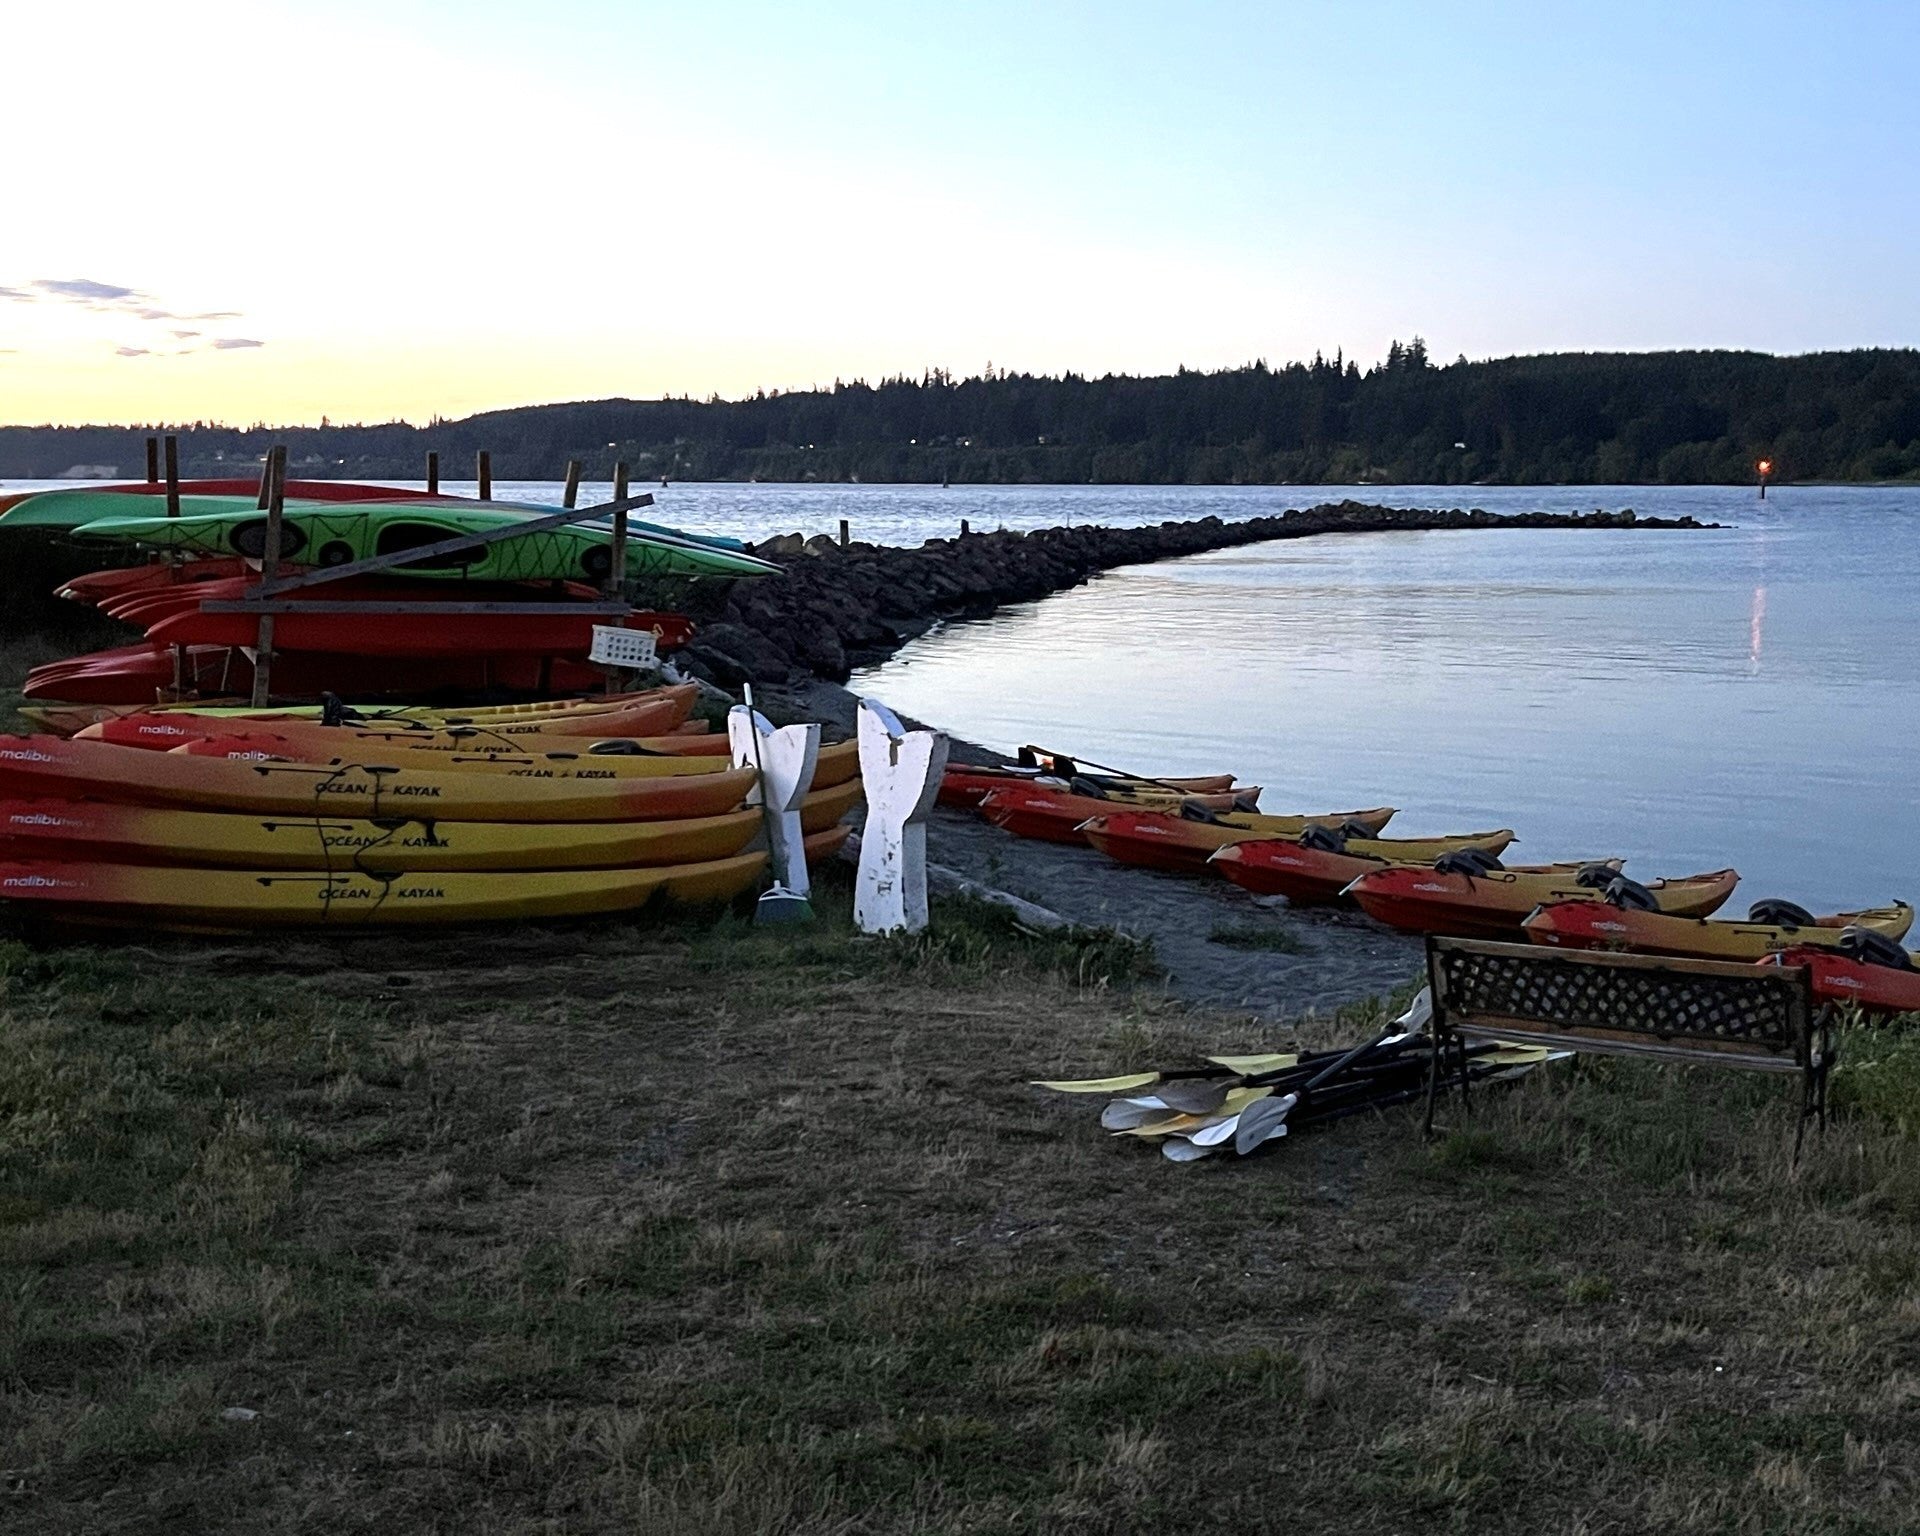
x,y
690,1228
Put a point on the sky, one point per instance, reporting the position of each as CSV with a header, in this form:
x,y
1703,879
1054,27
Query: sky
x,y
283,210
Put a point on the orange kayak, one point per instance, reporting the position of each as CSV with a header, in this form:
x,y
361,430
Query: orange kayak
x,y
1176,845
1603,925
1495,904
48,766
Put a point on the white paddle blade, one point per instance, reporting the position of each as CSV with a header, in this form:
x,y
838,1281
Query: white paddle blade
x,y
1261,1122
1125,1114
1178,1150
1214,1134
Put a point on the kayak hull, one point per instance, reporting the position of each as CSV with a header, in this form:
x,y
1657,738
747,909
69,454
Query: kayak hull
x,y
1423,900
40,766
1837,979
1173,845
1056,815
1597,925
964,787
1314,876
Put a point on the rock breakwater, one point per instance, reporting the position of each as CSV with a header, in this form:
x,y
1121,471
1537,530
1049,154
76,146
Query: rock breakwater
x,y
840,606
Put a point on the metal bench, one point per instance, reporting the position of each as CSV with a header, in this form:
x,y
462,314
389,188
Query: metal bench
x,y
1760,1018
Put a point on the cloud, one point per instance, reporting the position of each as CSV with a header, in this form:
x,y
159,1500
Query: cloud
x,y
212,314
235,343
132,352
17,293
183,335
156,314
84,290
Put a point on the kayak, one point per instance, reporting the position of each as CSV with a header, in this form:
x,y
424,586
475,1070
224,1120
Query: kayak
x,y
123,581
1055,815
823,808
132,675
436,714
332,744
1602,925
1493,905
70,507
391,634
653,714
965,786
137,834
1308,875
33,766
1870,986
243,899
1177,845
340,535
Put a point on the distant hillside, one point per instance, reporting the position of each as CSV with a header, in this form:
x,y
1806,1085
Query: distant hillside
x,y
1665,417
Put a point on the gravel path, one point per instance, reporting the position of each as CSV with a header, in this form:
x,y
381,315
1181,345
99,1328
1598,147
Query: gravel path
x,y
1332,956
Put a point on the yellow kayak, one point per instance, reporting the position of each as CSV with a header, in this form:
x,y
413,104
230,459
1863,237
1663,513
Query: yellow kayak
x,y
137,834
231,899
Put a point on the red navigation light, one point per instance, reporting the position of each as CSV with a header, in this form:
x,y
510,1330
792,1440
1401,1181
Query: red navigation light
x,y
1765,466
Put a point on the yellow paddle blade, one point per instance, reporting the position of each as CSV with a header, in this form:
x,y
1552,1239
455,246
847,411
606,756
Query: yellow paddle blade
x,y
1519,1056
1101,1084
1247,1066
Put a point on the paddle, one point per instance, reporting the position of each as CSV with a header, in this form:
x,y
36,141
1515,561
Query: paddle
x,y
1118,773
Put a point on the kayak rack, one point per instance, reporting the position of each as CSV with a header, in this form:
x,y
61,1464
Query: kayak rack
x,y
269,596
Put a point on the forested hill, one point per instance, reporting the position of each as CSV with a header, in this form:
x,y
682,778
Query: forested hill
x,y
1668,417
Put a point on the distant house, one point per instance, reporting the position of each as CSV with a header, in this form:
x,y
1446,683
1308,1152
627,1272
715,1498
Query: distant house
x,y
89,472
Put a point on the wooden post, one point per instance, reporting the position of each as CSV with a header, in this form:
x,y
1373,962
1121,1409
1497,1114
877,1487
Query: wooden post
x,y
153,461
483,472
965,528
844,533
273,492
433,473
173,475
617,575
572,496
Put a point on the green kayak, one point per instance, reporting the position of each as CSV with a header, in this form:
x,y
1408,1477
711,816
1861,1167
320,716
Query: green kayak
x,y
339,534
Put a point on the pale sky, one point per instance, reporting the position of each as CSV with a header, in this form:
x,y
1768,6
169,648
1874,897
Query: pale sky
x,y
283,210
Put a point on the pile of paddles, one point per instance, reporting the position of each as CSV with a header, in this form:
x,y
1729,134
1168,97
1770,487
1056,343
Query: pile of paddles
x,y
1455,885
232,819
1243,1103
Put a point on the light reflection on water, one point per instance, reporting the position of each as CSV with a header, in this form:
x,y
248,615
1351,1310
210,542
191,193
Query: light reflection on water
x,y
1689,700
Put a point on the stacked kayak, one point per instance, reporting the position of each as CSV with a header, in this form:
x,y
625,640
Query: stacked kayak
x,y
1465,901
1055,815
1866,969
1770,928
1182,845
214,832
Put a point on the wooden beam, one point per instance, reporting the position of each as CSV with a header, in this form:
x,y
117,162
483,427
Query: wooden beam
x,y
406,606
450,546
433,473
153,461
572,494
483,472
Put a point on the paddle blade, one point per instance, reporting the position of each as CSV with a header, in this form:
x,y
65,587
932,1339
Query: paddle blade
x,y
1262,1122
1101,1084
1178,1151
1250,1066
1202,1097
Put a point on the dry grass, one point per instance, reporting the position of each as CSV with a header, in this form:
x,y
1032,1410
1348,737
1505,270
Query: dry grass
x,y
689,1231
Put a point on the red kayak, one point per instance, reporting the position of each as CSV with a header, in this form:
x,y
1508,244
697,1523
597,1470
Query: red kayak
x,y
103,587
1840,979
964,786
134,674
297,490
1055,815
151,607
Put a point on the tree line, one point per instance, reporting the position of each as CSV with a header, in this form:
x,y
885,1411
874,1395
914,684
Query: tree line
x,y
1572,418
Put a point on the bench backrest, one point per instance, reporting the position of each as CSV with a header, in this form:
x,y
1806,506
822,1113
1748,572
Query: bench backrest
x,y
1751,1016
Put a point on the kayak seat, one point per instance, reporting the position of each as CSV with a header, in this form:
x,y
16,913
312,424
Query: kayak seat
x,y
1780,914
1595,877
1193,810
1630,895
1324,839
1091,788
1870,948
1467,861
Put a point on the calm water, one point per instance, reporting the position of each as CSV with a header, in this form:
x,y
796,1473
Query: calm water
x,y
1688,700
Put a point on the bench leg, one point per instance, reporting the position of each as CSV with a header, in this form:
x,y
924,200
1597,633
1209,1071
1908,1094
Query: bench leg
x,y
1460,1060
1433,1081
